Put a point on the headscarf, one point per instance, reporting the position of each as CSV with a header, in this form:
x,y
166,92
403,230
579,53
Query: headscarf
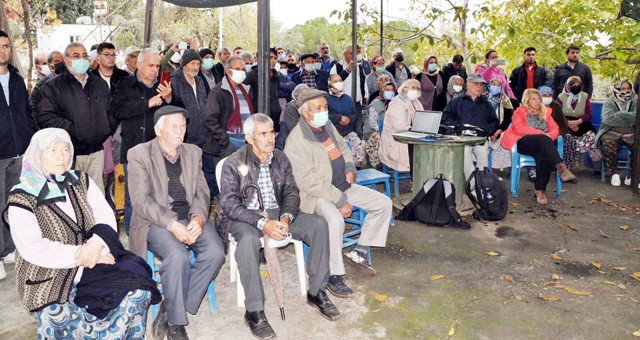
x,y
544,89
34,179
571,98
622,97
425,65
297,90
450,92
494,100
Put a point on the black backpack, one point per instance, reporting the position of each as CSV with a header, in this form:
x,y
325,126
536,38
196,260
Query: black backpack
x,y
434,205
489,196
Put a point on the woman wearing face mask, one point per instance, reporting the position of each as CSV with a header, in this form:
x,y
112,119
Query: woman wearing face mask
x,y
398,118
503,106
371,80
431,80
342,114
490,70
377,109
534,131
617,127
576,108
455,88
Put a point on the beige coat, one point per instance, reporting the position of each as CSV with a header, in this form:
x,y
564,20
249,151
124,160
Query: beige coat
x,y
148,186
312,166
397,118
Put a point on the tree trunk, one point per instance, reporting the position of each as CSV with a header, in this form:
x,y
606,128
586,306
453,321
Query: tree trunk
x,y
27,34
463,35
4,25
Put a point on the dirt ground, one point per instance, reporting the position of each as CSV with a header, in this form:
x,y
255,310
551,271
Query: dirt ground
x,y
560,271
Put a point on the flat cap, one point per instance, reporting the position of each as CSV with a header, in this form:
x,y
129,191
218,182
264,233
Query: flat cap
x,y
131,50
309,95
476,78
307,55
168,110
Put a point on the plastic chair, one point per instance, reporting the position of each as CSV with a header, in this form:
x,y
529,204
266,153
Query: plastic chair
x,y
518,161
624,162
233,265
155,275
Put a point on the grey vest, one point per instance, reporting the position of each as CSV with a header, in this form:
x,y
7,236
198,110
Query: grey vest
x,y
579,109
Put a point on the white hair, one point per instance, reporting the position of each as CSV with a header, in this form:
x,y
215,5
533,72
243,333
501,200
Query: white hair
x,y
249,125
144,52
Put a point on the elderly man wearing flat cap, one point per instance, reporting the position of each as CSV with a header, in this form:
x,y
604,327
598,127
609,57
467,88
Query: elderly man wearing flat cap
x,y
325,173
170,199
310,75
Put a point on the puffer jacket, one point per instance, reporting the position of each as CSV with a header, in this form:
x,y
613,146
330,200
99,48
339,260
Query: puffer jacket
x,y
233,206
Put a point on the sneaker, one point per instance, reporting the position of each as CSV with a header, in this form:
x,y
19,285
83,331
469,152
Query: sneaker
x,y
358,259
615,180
337,287
627,181
3,273
11,258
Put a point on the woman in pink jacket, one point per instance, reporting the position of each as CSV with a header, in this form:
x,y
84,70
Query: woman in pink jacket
x,y
534,130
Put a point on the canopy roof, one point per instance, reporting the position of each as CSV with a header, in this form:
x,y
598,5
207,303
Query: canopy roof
x,y
208,3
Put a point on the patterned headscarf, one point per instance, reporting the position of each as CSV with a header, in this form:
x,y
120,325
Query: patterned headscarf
x,y
572,98
34,179
450,92
622,97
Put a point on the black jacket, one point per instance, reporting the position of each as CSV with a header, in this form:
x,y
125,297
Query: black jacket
x,y
183,94
344,74
217,111
130,106
391,68
117,75
322,79
464,110
217,78
233,206
83,112
274,88
564,71
219,69
518,79
449,71
16,122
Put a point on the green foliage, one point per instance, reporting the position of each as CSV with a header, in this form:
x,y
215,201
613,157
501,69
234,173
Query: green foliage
x,y
68,10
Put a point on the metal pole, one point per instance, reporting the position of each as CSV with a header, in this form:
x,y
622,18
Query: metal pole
x,y
355,76
148,23
635,165
263,56
219,28
381,27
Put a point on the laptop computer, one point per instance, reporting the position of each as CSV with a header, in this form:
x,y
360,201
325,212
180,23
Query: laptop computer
x,y
425,124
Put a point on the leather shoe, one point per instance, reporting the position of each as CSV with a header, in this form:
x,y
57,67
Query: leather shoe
x,y
258,324
160,325
179,333
325,306
337,287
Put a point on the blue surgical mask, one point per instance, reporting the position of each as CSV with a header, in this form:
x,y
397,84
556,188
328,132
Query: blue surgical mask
x,y
380,69
208,63
495,90
432,67
281,57
388,95
320,119
80,66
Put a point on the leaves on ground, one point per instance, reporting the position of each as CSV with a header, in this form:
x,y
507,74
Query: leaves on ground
x,y
556,257
263,273
509,278
624,227
607,282
452,331
637,333
619,268
621,286
570,226
493,253
555,277
515,204
596,264
549,298
603,234
636,276
382,297
573,290
636,248
436,277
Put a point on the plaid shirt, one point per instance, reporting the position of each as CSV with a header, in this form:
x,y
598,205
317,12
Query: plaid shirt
x,y
309,79
268,194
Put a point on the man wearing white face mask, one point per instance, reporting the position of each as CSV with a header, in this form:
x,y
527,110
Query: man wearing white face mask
x,y
228,106
78,102
308,75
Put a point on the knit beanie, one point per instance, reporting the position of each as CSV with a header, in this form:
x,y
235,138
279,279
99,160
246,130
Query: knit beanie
x,y
190,55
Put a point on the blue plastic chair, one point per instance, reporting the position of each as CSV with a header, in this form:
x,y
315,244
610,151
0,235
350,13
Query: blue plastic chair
x,y
397,177
624,162
155,275
518,161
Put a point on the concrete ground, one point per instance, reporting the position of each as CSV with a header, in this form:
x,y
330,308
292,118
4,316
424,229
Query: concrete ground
x,y
437,283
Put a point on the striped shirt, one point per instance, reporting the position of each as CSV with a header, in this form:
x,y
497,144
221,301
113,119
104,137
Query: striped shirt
x,y
244,111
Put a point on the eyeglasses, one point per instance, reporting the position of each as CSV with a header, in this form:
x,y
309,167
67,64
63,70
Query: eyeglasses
x,y
108,55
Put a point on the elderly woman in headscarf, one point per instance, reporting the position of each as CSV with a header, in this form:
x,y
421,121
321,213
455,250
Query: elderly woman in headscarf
x,y
503,107
399,118
580,136
371,81
434,94
67,244
377,108
617,127
291,115
455,87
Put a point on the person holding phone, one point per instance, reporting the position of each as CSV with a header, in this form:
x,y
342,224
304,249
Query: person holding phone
x,y
492,70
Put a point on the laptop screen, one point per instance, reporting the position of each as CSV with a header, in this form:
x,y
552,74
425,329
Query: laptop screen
x,y
426,122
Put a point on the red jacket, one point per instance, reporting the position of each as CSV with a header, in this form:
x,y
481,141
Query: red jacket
x,y
520,128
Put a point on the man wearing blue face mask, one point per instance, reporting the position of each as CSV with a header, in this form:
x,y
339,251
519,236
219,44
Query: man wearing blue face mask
x,y
209,74
78,102
324,170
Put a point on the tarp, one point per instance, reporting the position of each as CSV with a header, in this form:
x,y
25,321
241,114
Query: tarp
x,y
631,9
208,3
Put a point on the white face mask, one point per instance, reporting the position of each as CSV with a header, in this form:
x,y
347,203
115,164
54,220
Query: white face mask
x,y
339,86
248,67
45,69
413,95
547,100
359,57
283,71
309,67
175,58
238,76
457,88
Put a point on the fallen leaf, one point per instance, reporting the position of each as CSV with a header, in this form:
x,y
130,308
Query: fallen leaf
x,y
493,253
636,333
596,264
452,331
555,277
620,268
382,297
509,278
607,282
550,298
561,287
556,257
603,234
578,292
621,286
515,204
264,273
636,248
571,227
375,310
519,297
624,227
436,277
636,276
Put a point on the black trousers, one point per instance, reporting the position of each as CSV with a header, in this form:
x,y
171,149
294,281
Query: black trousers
x,y
544,152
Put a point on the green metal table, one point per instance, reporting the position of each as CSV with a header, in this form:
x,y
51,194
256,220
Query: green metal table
x,y
439,157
